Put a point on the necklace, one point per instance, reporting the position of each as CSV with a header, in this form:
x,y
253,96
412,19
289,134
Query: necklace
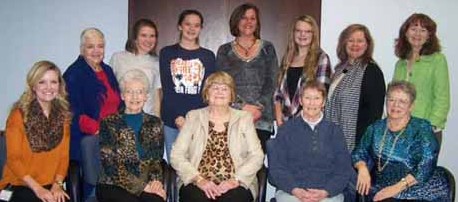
x,y
380,167
246,49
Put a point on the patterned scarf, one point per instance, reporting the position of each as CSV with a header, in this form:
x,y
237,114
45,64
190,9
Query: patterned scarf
x,y
343,105
43,133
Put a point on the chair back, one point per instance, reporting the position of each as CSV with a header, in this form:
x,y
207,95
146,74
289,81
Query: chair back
x,y
451,182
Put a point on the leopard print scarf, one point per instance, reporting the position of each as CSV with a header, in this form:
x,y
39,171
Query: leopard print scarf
x,y
44,133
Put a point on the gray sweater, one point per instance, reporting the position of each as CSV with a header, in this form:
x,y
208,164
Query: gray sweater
x,y
254,79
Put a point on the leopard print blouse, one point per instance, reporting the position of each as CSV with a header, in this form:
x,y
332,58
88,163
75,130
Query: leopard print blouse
x,y
216,164
121,164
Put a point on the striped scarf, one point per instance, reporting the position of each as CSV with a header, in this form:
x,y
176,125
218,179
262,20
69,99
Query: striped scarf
x,y
343,105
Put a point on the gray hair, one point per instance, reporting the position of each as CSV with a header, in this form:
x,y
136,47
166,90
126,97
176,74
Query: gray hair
x,y
134,75
405,87
90,32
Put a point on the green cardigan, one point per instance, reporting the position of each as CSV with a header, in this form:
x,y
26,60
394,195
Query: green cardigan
x,y
431,80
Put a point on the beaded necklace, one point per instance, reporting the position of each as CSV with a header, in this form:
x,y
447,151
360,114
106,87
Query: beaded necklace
x,y
380,167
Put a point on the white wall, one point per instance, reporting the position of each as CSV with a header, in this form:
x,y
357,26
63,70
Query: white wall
x,y
33,30
383,18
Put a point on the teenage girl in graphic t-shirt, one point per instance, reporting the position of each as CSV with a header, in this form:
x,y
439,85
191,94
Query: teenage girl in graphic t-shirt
x,y
184,66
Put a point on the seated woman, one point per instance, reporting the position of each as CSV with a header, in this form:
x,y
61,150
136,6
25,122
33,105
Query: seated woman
x,y
404,151
131,147
38,138
308,160
217,153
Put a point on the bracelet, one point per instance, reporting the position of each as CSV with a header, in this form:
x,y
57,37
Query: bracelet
x,y
199,179
406,184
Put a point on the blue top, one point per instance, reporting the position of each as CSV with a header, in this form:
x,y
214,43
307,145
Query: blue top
x,y
183,73
135,121
305,158
85,94
415,152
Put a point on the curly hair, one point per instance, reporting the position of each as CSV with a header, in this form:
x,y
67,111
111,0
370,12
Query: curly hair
x,y
403,48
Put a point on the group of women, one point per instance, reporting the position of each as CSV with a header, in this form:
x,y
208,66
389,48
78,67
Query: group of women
x,y
214,116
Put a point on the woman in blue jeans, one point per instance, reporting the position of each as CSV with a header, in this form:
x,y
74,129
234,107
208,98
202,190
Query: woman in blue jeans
x,y
184,67
93,94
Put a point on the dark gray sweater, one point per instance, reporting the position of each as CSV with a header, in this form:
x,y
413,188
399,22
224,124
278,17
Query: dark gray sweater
x,y
254,79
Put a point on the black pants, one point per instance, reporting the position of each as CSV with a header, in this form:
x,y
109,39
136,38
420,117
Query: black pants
x,y
25,194
263,136
192,193
112,193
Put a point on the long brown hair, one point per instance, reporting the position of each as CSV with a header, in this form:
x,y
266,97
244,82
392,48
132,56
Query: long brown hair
x,y
403,48
311,60
130,44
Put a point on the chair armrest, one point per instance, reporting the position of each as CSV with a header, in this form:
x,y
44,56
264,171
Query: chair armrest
x,y
262,181
73,181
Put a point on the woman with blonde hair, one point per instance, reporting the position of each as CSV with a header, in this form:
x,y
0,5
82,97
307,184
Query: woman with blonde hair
x,y
38,136
217,153
304,60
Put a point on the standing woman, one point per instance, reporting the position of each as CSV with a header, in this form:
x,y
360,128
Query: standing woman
x,y
94,94
421,63
252,62
140,54
184,67
37,137
304,60
357,91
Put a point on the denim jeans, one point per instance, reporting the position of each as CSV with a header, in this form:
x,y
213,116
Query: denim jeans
x,y
90,158
171,135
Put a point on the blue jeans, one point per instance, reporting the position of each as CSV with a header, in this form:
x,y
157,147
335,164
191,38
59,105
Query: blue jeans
x,y
171,135
90,158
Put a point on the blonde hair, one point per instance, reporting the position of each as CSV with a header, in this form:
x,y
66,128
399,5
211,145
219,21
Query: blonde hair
x,y
60,103
219,77
311,61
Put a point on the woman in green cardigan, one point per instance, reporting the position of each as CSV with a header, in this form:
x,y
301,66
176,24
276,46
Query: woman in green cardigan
x,y
421,63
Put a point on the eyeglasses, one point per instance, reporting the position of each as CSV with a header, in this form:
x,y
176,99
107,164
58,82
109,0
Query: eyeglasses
x,y
135,92
400,102
220,87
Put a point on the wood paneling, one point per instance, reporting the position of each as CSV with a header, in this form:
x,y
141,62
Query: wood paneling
x,y
276,17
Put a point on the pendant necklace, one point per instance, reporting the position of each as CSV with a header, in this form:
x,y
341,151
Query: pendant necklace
x,y
380,167
246,49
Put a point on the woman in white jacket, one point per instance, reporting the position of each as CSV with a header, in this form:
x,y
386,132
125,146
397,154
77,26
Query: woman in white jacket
x,y
217,153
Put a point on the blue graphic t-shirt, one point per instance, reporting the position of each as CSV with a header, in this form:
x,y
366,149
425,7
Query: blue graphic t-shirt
x,y
183,74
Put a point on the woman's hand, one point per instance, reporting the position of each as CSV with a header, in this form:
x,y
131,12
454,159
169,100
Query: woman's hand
x,y
210,189
155,187
388,192
363,184
227,185
254,110
58,193
43,194
317,194
179,122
